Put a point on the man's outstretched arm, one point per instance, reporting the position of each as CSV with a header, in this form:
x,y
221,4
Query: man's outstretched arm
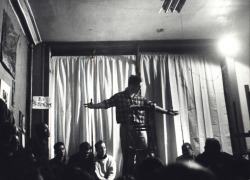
x,y
100,105
164,111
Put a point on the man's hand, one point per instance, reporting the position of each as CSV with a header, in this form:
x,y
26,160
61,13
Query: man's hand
x,y
172,112
89,105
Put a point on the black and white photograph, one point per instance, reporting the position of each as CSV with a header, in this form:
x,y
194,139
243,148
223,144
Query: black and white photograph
x,y
125,89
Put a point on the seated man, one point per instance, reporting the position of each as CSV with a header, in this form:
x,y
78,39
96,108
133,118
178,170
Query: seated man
x,y
84,159
57,164
105,166
187,153
224,165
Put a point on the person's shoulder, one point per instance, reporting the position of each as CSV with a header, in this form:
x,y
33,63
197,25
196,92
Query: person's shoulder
x,y
227,156
118,95
121,93
52,162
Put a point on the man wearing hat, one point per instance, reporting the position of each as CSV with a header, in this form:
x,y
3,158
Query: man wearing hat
x,y
84,159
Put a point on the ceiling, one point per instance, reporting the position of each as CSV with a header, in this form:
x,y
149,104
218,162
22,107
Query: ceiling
x,y
137,20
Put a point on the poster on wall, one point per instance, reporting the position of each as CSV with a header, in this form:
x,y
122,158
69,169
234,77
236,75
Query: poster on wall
x,y
9,45
41,102
5,92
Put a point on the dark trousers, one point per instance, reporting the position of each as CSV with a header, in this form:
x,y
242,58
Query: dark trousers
x,y
134,145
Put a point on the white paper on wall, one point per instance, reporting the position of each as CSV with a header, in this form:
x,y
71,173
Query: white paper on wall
x,y
41,102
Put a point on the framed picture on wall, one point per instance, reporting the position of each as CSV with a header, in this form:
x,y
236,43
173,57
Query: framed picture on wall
x,y
9,45
5,92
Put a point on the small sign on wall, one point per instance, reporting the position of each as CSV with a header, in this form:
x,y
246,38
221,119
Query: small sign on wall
x,y
5,92
41,102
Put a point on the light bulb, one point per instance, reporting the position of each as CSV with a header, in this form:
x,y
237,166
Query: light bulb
x,y
228,45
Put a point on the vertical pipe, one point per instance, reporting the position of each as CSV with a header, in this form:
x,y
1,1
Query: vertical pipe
x,y
29,93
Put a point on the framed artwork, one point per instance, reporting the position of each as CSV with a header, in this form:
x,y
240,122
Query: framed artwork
x,y
9,45
5,92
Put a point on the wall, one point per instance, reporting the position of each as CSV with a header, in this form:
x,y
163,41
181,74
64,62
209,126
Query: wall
x,y
242,67
21,64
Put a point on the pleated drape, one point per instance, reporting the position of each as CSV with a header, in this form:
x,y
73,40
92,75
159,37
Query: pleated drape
x,y
75,81
193,85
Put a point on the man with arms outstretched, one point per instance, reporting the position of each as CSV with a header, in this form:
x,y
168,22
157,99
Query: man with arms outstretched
x,y
128,104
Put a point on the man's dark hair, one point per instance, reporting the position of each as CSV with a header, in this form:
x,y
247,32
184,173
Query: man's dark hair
x,y
98,143
57,145
212,145
133,79
84,146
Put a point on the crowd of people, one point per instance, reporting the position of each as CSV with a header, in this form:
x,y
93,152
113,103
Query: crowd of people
x,y
32,163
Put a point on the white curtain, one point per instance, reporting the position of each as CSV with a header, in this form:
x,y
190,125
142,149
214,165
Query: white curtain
x,y
193,85
75,81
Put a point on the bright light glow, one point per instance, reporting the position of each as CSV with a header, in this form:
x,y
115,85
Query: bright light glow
x,y
228,45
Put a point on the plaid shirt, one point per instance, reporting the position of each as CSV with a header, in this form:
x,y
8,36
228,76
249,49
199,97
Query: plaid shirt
x,y
122,101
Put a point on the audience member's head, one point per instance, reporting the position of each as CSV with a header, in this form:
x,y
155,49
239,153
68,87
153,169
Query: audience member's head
x,y
59,149
85,149
100,147
187,149
148,168
42,131
212,146
185,170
